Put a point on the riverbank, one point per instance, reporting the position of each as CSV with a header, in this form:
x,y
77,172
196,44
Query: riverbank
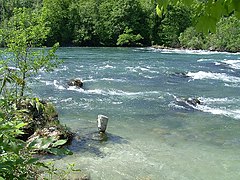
x,y
186,49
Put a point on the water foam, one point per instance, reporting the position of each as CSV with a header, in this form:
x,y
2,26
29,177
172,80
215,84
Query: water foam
x,y
215,76
187,51
108,92
219,106
57,85
235,113
141,69
234,64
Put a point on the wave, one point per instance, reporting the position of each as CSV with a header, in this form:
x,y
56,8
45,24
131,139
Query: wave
x,y
57,85
186,51
220,111
107,67
215,76
142,69
103,79
117,92
217,106
220,106
234,64
109,92
203,60
63,68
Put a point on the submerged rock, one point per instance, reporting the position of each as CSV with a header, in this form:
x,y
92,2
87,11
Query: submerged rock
x,y
75,82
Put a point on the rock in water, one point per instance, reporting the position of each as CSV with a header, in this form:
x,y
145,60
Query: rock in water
x,y
102,123
193,101
75,82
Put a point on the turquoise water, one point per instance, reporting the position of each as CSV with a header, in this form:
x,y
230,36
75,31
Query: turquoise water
x,y
152,132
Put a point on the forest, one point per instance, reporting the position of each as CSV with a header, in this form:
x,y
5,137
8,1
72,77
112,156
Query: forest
x,y
126,23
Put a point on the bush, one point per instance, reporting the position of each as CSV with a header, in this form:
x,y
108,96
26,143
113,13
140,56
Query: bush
x,y
191,39
129,39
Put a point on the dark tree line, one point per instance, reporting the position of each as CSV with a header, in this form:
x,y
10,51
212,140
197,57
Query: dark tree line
x,y
125,23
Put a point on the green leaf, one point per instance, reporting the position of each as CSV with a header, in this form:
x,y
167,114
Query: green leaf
x,y
46,143
236,5
32,160
206,24
59,142
159,11
20,125
217,10
40,164
59,152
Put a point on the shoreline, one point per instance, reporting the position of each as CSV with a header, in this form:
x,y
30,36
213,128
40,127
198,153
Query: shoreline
x,y
184,49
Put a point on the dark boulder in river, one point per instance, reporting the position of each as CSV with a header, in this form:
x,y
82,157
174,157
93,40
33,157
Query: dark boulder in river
x,y
188,103
180,74
193,101
75,82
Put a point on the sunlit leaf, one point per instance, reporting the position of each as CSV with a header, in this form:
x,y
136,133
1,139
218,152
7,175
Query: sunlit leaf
x,y
159,11
62,151
59,142
20,125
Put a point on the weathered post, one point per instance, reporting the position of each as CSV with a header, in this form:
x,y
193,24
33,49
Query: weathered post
x,y
102,123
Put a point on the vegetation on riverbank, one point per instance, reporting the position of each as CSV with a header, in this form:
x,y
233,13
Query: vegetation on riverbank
x,y
28,125
135,23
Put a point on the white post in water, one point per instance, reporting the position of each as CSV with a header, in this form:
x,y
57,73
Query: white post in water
x,y
102,123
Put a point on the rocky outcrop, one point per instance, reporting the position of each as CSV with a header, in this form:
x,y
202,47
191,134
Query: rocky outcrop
x,y
75,82
42,122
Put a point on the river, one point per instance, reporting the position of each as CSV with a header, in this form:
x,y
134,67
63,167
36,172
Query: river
x,y
153,133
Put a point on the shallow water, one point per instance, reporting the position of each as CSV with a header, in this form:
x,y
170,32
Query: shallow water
x,y
152,132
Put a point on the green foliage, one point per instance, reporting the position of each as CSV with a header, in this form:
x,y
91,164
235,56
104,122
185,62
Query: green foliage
x,y
175,21
226,38
26,29
102,22
192,39
208,12
115,16
84,16
129,39
57,14
15,159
